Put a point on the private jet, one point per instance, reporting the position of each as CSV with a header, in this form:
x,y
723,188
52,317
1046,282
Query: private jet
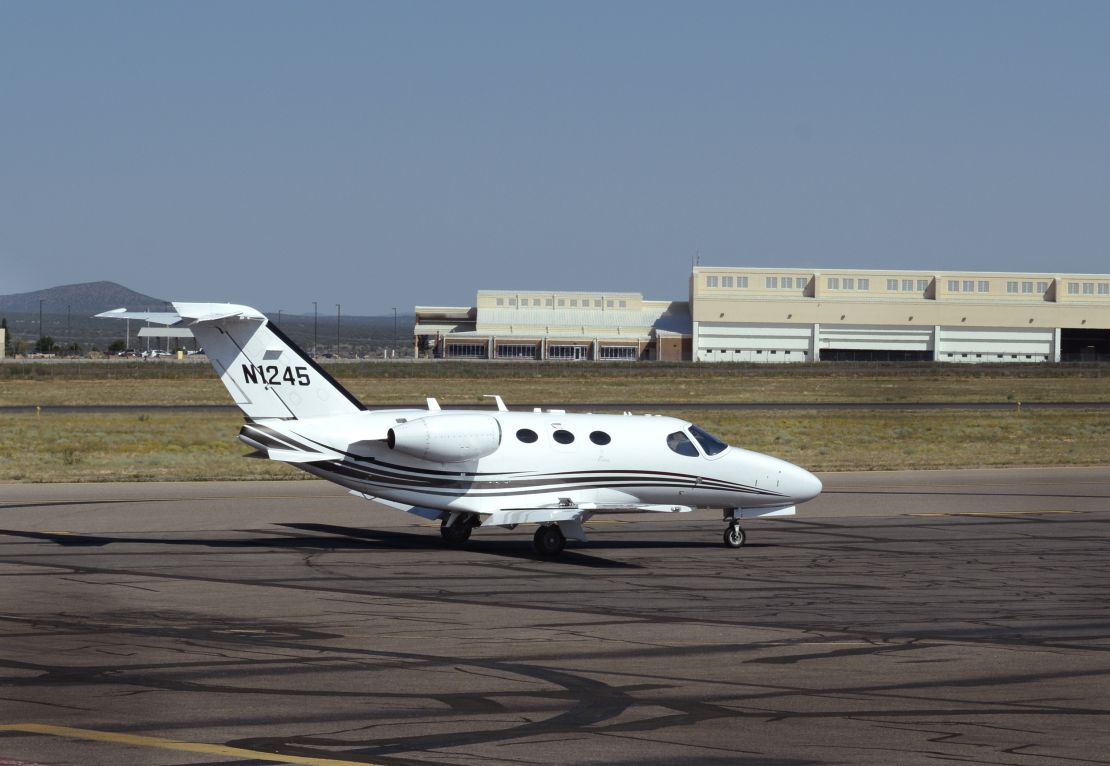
x,y
467,468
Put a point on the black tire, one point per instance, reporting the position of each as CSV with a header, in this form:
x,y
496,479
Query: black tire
x,y
734,536
549,540
456,534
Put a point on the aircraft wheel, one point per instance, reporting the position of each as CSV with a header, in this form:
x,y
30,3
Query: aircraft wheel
x,y
456,534
549,540
734,536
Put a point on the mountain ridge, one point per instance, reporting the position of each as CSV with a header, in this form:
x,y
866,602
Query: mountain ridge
x,y
80,298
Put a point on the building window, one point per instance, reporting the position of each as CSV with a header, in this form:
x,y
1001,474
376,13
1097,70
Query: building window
x,y
608,304
849,283
548,302
516,350
535,301
624,304
512,301
726,281
562,302
1073,288
773,282
566,352
574,303
1088,288
984,286
618,352
907,285
922,285
787,283
1027,288
711,281
892,285
1104,288
969,286
741,281
500,301
953,285
864,284
467,350
597,303
1042,287
1011,287
833,283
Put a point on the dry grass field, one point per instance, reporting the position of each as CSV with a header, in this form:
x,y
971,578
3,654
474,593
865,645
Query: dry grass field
x,y
158,382
114,446
182,445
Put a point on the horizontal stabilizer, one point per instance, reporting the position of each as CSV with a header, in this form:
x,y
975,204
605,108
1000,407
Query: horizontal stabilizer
x,y
157,317
297,456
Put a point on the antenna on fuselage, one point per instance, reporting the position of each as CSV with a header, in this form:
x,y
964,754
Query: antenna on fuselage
x,y
433,405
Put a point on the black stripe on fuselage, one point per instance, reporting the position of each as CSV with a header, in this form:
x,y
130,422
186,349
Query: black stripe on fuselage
x,y
312,363
535,483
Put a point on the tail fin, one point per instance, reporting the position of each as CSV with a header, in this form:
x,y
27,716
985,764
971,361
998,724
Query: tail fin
x,y
266,374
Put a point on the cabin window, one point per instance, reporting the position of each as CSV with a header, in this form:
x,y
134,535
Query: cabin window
x,y
563,437
680,443
527,435
710,443
600,438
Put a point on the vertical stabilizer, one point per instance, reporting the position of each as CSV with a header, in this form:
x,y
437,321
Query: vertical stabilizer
x,y
266,374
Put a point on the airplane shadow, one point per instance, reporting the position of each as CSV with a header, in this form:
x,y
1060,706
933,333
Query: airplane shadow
x,y
330,537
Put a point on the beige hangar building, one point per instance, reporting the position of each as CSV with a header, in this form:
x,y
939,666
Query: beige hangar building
x,y
570,326
773,315
796,315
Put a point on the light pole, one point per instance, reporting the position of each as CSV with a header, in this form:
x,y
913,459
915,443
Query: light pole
x,y
314,325
337,329
40,324
279,318
67,325
394,327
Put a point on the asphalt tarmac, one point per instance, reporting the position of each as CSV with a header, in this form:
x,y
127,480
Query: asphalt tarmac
x,y
912,617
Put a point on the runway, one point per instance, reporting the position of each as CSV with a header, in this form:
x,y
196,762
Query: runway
x,y
908,617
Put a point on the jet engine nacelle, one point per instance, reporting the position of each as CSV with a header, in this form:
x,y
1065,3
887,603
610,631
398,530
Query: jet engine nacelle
x,y
446,438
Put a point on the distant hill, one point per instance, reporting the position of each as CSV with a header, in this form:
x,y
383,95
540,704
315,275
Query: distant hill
x,y
83,299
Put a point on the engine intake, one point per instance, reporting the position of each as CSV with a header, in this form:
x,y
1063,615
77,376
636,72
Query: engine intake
x,y
446,438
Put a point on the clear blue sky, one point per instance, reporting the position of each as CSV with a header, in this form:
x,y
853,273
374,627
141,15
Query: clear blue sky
x,y
382,154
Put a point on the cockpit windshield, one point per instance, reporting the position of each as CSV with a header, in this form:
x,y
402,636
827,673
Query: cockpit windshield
x,y
679,442
710,443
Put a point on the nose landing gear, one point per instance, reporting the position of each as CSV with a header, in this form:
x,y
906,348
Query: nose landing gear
x,y
734,536
734,533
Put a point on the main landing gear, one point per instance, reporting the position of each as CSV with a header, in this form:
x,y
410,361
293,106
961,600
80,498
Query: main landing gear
x,y
458,533
549,540
734,533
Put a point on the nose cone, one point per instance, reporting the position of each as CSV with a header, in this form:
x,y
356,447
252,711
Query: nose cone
x,y
801,485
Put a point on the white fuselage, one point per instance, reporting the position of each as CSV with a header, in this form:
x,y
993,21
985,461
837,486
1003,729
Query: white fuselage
x,y
607,459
